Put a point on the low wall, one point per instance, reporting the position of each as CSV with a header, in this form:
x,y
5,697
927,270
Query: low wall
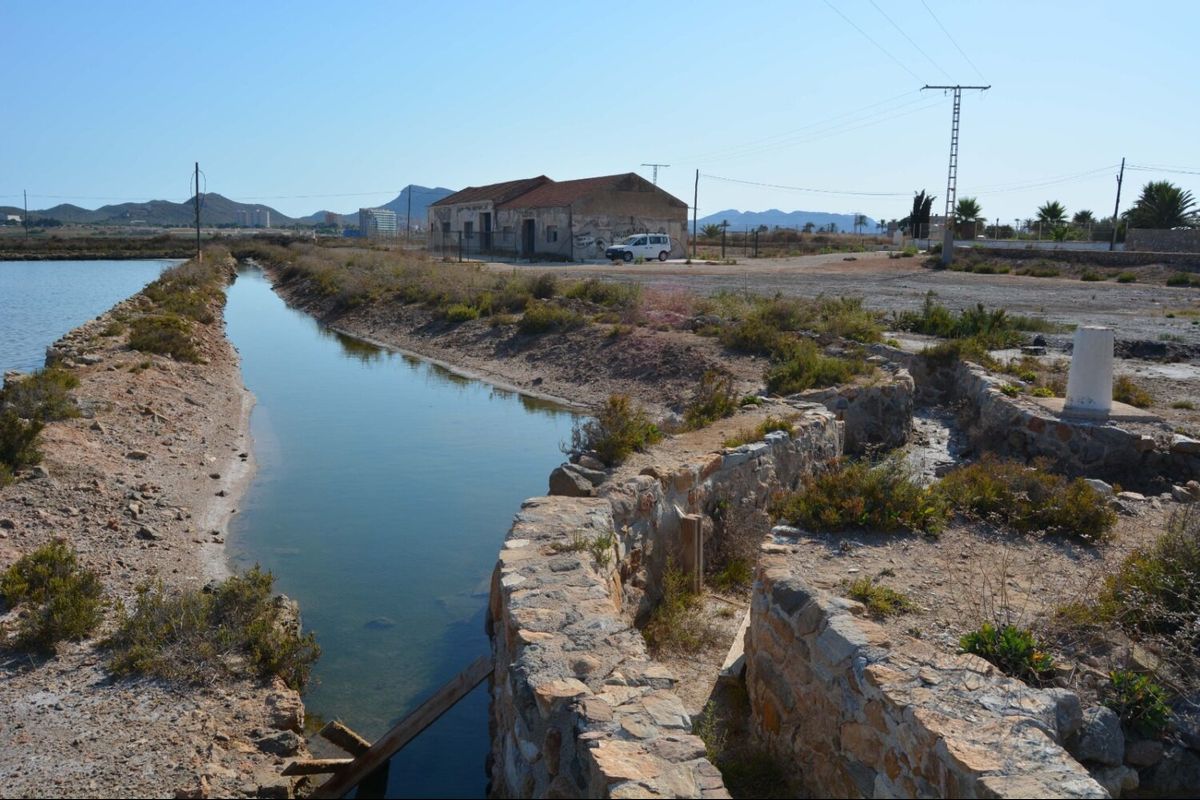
x,y
876,415
1164,241
1125,258
861,716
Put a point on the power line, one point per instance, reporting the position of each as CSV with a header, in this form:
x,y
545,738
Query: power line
x,y
910,41
805,188
1018,187
1175,170
872,41
951,38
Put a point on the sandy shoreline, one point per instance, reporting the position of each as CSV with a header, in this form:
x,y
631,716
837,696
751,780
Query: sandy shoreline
x,y
143,486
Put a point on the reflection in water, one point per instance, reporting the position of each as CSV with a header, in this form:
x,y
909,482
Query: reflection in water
x,y
384,490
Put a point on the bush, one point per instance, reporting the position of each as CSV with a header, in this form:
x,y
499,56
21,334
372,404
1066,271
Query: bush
x,y
678,623
882,601
1139,702
460,312
992,329
714,400
43,395
544,317
544,286
754,336
1014,651
1028,499
164,334
1181,279
18,442
857,495
732,550
806,367
1092,275
1126,277
606,293
1041,271
759,432
1126,391
196,636
64,598
615,432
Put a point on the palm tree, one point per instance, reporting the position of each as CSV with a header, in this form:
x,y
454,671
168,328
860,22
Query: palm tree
x,y
1162,205
808,227
860,222
1052,213
1083,219
967,212
710,231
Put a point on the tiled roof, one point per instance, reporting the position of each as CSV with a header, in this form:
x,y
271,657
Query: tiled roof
x,y
556,194
496,192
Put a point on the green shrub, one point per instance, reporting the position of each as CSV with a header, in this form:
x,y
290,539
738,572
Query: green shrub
x,y
544,317
1014,651
616,431
114,328
754,336
759,432
882,601
195,636
18,441
544,286
993,329
63,597
857,495
714,399
1042,391
460,312
678,623
1126,277
1180,279
606,293
1028,499
1092,275
1040,271
1125,390
737,574
43,395
805,367
1009,390
164,334
1184,405
1139,701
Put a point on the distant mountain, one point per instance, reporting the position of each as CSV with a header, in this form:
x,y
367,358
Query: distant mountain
x,y
422,198
214,210
740,220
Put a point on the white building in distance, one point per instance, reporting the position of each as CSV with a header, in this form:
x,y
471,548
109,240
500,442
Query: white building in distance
x,y
377,223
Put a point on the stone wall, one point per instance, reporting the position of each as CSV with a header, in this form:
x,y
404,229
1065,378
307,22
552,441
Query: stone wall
x,y
861,716
1103,258
876,414
1163,241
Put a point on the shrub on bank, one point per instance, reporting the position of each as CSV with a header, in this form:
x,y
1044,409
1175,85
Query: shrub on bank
x,y
1125,390
18,444
759,432
881,601
1139,701
805,366
678,624
460,312
164,334
1028,499
541,317
200,636
1014,651
42,395
857,495
62,598
618,429
714,399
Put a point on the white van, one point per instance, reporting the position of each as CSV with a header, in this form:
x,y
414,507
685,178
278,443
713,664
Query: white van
x,y
645,245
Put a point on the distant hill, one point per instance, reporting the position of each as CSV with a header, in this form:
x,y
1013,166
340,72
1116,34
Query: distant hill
x,y
740,220
214,210
422,198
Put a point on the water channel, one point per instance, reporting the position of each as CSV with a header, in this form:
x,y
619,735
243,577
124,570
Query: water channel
x,y
384,489
42,300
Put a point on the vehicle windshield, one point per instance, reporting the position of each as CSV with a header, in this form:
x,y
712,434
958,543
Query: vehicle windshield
x,y
631,240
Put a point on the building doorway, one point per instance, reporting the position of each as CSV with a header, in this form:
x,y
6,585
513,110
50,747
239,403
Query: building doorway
x,y
527,238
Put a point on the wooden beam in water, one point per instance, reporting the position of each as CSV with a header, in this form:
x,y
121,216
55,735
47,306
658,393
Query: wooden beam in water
x,y
338,734
406,730
316,766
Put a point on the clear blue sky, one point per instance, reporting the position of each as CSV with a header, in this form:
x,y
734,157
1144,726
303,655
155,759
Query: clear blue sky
x,y
104,102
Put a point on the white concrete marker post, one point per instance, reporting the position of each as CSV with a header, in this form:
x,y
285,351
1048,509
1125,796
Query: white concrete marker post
x,y
1090,381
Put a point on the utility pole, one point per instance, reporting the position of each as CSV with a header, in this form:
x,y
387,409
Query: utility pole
x,y
1112,245
408,217
196,200
695,210
656,166
25,219
952,176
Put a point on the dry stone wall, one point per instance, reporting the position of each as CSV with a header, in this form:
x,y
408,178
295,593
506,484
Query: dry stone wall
x,y
861,716
876,414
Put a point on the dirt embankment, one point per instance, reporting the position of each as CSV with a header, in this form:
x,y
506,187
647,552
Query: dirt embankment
x,y
142,485
580,368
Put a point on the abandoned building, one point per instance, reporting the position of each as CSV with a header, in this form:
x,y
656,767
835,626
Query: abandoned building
x,y
568,220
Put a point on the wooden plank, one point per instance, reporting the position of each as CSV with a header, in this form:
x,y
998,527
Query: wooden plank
x,y
338,734
316,766
407,729
693,550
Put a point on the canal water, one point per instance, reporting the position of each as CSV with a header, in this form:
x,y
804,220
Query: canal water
x,y
42,300
384,489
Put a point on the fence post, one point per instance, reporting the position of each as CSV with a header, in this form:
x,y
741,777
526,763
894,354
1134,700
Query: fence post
x,y
756,242
460,238
692,559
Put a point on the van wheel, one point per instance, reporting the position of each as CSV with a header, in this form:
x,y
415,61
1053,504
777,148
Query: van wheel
x,y
662,256
627,256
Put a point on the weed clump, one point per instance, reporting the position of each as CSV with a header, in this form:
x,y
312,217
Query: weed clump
x,y
1182,279
18,444
461,312
606,293
858,495
63,597
677,623
714,399
805,367
1139,701
544,317
1028,499
43,395
615,432
1014,651
196,636
1126,390
882,601
991,329
164,334
759,432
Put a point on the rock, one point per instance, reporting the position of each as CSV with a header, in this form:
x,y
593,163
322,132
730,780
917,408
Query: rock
x,y
1178,773
569,484
7,524
1116,780
1183,494
1033,350
279,790
1143,753
40,472
284,743
148,533
593,476
90,359
1185,445
97,427
1068,712
1100,739
1133,497
1040,341
285,709
590,462
137,455
1100,486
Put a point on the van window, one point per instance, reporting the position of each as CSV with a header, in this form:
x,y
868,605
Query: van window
x,y
641,241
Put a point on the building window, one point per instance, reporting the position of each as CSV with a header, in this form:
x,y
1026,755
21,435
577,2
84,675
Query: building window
x,y
446,227
551,233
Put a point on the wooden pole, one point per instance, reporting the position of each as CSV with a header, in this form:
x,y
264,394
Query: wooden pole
x,y
338,734
406,730
693,550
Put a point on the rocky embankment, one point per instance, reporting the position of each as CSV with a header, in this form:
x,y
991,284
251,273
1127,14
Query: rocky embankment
x,y
142,486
